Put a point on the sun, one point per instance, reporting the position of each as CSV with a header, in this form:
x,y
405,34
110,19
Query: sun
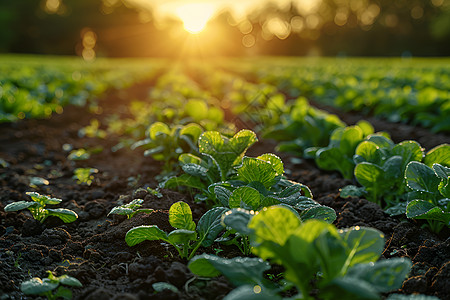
x,y
195,16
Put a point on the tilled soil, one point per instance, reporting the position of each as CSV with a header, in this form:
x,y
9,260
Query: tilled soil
x,y
93,248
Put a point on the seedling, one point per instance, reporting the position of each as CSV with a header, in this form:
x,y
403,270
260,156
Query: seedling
x,y
84,175
45,287
316,256
130,209
38,210
430,196
187,236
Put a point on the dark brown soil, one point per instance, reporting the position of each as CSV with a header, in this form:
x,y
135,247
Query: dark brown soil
x,y
93,248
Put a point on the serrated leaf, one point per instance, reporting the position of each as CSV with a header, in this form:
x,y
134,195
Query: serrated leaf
x,y
275,161
245,195
254,169
66,215
142,233
180,216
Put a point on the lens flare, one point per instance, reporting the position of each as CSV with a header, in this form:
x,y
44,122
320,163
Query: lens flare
x,y
195,16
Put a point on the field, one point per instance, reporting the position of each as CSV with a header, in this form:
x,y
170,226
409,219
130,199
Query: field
x,y
288,178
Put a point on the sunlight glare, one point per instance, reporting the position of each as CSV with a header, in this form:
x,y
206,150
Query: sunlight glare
x,y
195,16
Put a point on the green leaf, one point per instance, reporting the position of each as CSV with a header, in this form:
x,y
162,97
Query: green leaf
x,y
19,205
368,174
222,194
162,286
158,128
195,170
366,127
352,191
381,141
193,130
188,158
247,195
411,297
334,159
209,226
385,275
409,151
254,169
184,180
42,199
142,233
441,171
365,244
180,216
368,151
36,286
69,280
420,209
63,292
182,236
210,142
438,155
241,141
238,219
275,161
267,227
422,178
350,138
324,213
66,215
239,270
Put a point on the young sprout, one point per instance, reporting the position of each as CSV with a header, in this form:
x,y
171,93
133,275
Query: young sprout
x,y
130,209
46,286
38,210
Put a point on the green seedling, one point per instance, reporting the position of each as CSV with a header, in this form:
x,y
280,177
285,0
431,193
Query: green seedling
x,y
218,157
84,175
46,287
337,264
430,196
187,236
131,209
166,144
38,210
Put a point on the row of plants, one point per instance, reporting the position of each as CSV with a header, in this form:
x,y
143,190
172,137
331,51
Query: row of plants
x,y
36,88
248,196
411,91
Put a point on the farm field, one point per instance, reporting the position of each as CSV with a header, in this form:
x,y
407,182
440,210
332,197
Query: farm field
x,y
288,178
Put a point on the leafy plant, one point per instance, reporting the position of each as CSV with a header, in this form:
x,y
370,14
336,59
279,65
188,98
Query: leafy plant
x,y
38,210
260,184
84,175
338,155
430,196
130,209
380,165
45,287
187,236
166,144
339,263
218,155
302,126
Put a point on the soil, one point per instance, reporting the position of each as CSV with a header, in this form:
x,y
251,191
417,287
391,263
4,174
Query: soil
x,y
93,248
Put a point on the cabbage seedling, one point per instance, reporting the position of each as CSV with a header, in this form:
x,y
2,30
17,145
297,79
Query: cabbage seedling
x,y
45,287
38,210
130,209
